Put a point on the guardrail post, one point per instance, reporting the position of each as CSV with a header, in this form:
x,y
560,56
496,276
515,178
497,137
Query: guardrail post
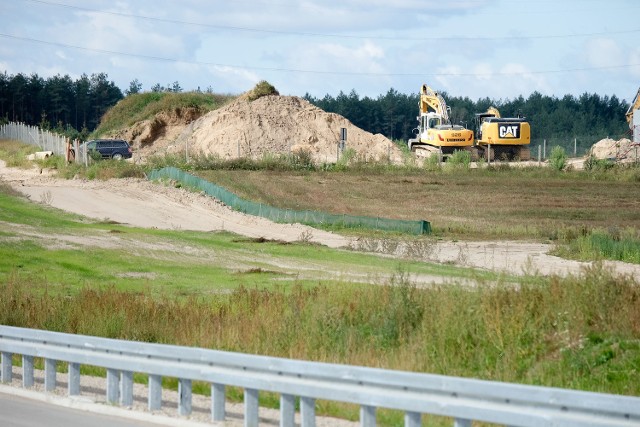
x,y
155,392
287,410
217,402
113,385
461,422
49,374
74,379
126,388
184,392
367,416
27,371
7,367
308,412
250,407
412,419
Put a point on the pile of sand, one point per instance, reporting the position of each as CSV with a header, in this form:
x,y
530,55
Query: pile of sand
x,y
270,125
622,150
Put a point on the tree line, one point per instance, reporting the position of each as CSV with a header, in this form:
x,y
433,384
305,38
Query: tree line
x,y
75,107
588,118
59,103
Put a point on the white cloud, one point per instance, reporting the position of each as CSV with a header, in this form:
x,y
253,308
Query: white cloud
x,y
365,57
60,54
483,71
242,73
634,58
443,45
603,52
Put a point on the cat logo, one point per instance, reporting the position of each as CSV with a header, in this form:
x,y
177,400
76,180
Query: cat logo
x,y
509,131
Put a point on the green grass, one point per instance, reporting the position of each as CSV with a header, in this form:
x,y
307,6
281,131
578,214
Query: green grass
x,y
144,106
610,244
579,332
14,153
40,243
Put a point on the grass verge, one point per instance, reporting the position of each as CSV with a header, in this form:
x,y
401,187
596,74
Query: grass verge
x,y
611,244
578,332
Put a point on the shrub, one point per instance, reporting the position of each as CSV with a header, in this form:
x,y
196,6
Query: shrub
x,y
558,159
594,164
432,163
263,88
460,159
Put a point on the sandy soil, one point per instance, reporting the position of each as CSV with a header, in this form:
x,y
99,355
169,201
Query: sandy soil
x,y
145,204
270,125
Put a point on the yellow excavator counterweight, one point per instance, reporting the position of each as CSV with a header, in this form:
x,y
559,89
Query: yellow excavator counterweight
x,y
507,138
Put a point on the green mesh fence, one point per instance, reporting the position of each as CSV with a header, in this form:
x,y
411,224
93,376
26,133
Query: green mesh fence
x,y
289,215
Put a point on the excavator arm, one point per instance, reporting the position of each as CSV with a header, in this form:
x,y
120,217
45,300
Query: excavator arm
x,y
494,111
430,98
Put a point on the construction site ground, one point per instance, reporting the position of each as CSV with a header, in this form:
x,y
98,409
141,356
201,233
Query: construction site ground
x,y
142,203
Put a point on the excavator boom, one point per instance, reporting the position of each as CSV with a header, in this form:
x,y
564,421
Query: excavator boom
x,y
431,98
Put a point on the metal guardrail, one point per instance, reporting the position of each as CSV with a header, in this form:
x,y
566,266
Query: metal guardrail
x,y
462,399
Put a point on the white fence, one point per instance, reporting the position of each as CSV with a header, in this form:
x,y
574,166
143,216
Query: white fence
x,y
462,399
45,140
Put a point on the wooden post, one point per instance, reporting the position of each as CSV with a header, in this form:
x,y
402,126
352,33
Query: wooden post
x,y
539,155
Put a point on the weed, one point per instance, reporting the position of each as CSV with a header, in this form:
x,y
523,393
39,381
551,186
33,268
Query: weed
x,y
432,163
460,159
582,326
558,158
612,243
305,237
263,88
594,164
46,198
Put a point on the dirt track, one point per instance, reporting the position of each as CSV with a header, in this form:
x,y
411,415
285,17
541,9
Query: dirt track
x,y
144,204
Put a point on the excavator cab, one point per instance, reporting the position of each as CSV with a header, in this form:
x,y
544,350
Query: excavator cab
x,y
480,119
432,122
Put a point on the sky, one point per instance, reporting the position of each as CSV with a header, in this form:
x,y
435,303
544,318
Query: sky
x,y
499,49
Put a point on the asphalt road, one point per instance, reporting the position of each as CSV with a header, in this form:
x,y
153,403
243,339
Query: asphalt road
x,y
18,411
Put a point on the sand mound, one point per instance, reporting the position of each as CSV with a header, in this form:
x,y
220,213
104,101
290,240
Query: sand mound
x,y
270,125
622,150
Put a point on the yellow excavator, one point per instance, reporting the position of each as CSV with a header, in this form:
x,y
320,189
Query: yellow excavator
x,y
435,133
508,138
634,123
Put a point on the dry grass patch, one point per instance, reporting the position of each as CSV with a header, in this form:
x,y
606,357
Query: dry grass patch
x,y
466,205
